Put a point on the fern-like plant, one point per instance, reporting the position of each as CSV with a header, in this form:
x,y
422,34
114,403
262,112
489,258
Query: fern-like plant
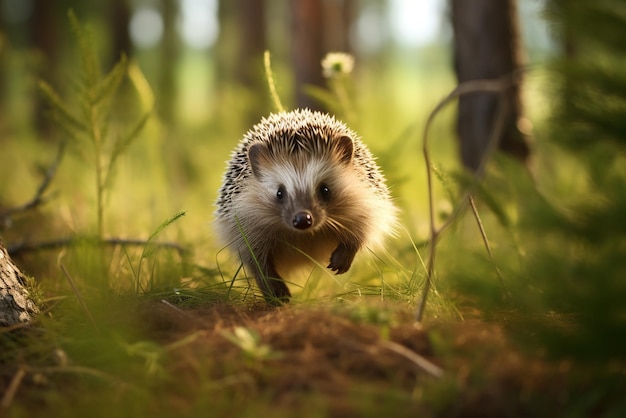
x,y
87,123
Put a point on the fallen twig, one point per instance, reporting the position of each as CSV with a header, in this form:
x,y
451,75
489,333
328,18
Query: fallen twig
x,y
181,313
415,358
418,360
9,395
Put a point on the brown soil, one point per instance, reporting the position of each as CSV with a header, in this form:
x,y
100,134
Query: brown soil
x,y
343,361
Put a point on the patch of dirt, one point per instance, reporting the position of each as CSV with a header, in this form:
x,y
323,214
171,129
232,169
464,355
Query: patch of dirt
x,y
320,352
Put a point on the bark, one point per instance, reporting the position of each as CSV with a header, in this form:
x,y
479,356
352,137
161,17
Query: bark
x,y
486,46
16,305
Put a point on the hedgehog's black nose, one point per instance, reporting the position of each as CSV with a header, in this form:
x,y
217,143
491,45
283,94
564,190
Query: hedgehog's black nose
x,y
302,220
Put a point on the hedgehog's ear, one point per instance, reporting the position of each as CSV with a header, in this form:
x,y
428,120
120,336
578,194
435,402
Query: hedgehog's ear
x,y
345,149
258,154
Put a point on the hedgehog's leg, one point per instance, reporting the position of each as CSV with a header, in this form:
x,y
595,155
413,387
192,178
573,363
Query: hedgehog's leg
x,y
341,259
274,289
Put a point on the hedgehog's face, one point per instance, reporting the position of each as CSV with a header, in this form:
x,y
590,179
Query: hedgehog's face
x,y
301,189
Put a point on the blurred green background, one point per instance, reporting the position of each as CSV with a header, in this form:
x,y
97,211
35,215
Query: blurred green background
x,y
209,88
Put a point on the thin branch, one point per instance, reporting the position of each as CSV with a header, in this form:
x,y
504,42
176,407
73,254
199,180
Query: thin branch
x,y
81,370
38,199
66,242
499,85
13,327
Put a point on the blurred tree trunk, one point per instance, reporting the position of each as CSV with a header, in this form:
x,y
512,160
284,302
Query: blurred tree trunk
x,y
45,39
239,55
3,77
224,57
250,15
567,30
120,21
486,46
307,37
16,306
249,69
338,21
170,48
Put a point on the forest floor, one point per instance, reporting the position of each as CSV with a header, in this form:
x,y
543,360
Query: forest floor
x,y
353,367
356,368
244,360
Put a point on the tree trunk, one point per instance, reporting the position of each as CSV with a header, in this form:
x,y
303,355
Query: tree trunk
x,y
251,18
119,18
252,42
307,39
486,46
170,48
339,15
16,305
45,38
4,58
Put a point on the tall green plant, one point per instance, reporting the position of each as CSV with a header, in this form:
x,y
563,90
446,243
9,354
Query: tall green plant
x,y
587,271
86,123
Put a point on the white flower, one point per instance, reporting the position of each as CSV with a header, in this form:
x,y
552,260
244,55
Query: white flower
x,y
336,64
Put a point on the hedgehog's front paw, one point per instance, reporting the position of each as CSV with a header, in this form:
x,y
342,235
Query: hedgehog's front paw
x,y
341,259
274,289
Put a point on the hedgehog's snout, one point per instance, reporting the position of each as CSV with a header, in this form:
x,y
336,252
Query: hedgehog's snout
x,y
302,220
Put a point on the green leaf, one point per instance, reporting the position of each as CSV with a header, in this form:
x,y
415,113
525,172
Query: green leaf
x,y
65,115
137,78
149,249
444,179
123,142
88,55
107,87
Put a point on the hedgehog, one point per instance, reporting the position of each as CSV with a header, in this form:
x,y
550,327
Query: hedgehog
x,y
301,188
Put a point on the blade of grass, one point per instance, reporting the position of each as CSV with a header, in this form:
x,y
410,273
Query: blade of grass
x,y
483,234
149,247
81,301
270,82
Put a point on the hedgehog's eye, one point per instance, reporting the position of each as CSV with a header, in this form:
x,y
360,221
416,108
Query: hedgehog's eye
x,y
324,191
280,193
